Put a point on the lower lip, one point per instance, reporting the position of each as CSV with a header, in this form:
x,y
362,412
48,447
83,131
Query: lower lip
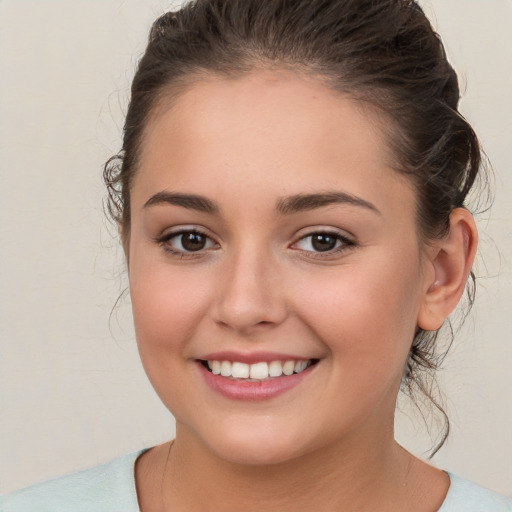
x,y
253,391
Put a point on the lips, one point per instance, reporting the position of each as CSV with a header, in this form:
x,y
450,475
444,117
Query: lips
x,y
254,376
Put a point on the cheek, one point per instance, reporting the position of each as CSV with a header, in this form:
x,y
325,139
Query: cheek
x,y
167,310
167,306
365,315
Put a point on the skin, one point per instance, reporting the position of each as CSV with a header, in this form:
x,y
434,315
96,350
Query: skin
x,y
258,285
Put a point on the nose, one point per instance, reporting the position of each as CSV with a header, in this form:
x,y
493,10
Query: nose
x,y
250,295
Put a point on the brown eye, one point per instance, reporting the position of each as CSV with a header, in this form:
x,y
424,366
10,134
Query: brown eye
x,y
193,241
323,242
186,241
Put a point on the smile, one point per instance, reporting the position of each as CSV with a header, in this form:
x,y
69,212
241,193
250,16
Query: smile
x,y
254,379
258,371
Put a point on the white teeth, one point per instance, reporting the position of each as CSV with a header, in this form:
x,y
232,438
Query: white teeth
x,y
288,367
257,371
215,367
240,370
300,366
275,369
225,369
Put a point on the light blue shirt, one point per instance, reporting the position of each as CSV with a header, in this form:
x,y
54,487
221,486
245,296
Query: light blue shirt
x,y
111,488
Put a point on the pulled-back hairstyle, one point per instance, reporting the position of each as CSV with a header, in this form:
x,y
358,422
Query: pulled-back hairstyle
x,y
383,53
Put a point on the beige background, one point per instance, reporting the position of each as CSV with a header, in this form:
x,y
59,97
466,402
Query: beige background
x,y
73,393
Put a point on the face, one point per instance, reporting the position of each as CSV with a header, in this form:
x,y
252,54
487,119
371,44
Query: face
x,y
269,235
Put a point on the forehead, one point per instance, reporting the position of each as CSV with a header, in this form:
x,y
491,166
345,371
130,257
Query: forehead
x,y
293,105
278,124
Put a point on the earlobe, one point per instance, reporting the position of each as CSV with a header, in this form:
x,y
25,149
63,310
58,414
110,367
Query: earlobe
x,y
450,260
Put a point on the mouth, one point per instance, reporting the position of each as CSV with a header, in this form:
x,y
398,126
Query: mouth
x,y
259,371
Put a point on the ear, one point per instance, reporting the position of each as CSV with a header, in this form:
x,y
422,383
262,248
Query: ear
x,y
450,261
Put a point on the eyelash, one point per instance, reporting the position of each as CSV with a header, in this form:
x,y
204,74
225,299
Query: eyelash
x,y
165,240
342,243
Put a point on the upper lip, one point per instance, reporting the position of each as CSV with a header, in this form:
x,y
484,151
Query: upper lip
x,y
252,357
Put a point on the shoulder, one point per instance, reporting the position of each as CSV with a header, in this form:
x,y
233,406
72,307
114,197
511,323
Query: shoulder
x,y
465,496
106,488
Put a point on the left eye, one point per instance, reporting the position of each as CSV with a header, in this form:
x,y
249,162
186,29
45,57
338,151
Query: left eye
x,y
321,242
188,241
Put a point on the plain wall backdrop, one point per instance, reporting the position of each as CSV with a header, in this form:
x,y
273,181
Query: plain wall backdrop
x,y
72,390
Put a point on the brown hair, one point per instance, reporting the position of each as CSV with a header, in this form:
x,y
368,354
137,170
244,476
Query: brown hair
x,y
383,53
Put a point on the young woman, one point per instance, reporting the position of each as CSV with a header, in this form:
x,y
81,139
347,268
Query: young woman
x,y
292,200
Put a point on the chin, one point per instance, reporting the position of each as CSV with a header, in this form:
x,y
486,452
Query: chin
x,y
256,446
257,454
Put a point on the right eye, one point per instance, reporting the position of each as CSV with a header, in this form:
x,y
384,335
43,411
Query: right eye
x,y
186,241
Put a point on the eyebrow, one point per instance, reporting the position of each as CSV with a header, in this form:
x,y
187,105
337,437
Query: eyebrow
x,y
304,202
190,201
285,206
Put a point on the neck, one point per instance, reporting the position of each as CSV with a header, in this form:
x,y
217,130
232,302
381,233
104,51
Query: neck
x,y
335,477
